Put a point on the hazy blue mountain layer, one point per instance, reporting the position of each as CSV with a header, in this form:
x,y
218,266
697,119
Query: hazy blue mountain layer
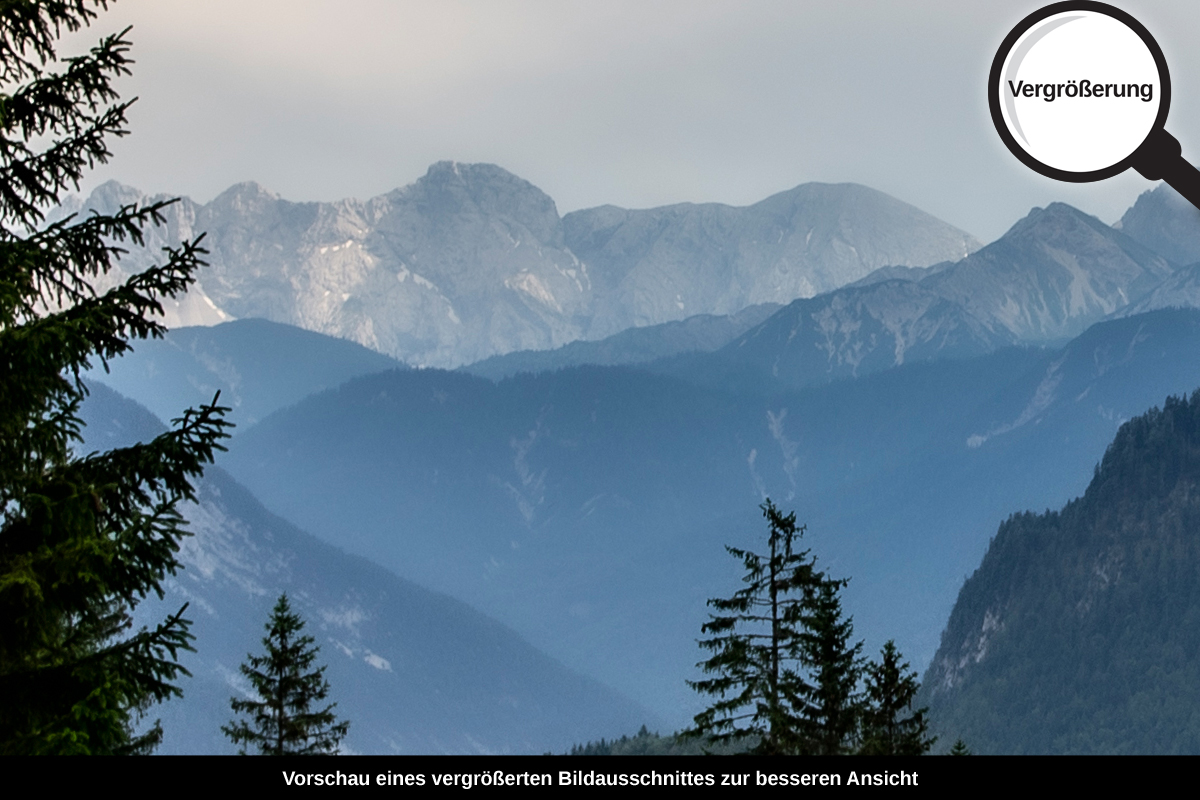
x,y
1048,278
569,503
894,416
413,670
256,365
859,330
702,333
1078,632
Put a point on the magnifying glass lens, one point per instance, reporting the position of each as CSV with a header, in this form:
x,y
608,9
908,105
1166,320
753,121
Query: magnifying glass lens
x,y
1081,91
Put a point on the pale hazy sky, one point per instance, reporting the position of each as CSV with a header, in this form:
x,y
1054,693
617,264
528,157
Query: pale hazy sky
x,y
632,103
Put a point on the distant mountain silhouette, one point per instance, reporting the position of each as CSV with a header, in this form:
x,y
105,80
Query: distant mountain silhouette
x,y
703,333
256,365
675,261
1166,223
1052,275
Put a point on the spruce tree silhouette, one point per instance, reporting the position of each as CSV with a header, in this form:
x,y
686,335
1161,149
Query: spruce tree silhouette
x,y
83,538
282,719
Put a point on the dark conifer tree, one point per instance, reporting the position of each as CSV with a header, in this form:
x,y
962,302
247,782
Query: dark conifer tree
x,y
890,725
829,714
757,647
82,538
788,671
283,720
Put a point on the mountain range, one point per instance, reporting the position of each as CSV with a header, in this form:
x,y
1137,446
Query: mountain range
x,y
257,366
471,261
554,501
1052,275
901,413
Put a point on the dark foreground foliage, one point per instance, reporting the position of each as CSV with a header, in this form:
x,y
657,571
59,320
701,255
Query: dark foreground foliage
x,y
787,674
645,743
83,538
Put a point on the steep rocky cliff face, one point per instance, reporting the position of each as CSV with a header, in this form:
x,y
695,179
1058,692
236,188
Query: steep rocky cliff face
x,y
467,261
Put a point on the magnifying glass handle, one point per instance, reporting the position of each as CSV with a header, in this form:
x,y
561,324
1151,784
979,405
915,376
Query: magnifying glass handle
x,y
1160,158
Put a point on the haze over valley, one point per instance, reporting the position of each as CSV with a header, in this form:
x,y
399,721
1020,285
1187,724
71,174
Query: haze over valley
x,y
541,430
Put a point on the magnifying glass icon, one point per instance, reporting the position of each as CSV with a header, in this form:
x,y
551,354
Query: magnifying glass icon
x,y
1079,91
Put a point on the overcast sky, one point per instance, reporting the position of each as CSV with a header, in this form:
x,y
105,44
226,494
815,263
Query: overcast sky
x,y
632,103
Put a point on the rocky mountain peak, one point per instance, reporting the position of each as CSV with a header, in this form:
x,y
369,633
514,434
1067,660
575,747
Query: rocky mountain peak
x,y
451,188
1060,228
110,196
1166,223
671,262
1053,221
247,197
1051,275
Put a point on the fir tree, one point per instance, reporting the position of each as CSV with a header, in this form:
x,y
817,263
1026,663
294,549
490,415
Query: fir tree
x,y
282,719
82,538
788,672
756,640
829,714
890,726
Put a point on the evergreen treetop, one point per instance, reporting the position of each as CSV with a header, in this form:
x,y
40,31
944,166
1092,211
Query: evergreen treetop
x,y
890,725
830,714
788,672
283,720
756,646
82,538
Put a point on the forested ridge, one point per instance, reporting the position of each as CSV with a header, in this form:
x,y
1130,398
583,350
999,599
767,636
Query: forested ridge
x,y
1078,632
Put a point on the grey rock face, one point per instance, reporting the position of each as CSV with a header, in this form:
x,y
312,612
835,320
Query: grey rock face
x,y
1053,274
471,261
1166,223
676,261
178,225
1181,290
860,330
460,264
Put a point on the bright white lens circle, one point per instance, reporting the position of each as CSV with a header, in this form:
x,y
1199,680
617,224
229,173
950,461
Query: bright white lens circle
x,y
1080,91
